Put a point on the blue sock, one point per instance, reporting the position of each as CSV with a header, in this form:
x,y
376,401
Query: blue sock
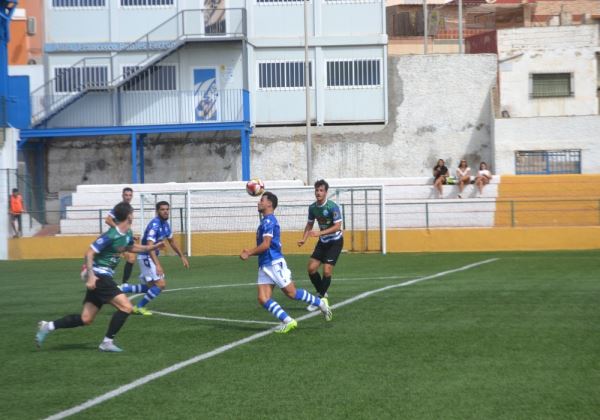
x,y
134,288
151,294
304,296
275,309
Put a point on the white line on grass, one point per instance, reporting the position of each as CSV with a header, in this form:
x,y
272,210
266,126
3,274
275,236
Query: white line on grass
x,y
204,318
159,374
337,279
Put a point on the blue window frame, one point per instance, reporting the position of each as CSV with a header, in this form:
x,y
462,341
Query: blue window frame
x,y
547,162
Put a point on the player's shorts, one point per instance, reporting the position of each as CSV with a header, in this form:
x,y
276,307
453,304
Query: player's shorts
x,y
148,269
106,289
278,274
328,252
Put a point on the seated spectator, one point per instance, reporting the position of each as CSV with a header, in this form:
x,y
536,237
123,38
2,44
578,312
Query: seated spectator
x,y
463,176
440,175
483,177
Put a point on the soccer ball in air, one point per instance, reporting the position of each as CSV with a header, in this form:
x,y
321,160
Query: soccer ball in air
x,y
255,187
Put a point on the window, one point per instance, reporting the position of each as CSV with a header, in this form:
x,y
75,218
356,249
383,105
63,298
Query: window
x,y
545,162
551,85
354,73
128,3
78,3
75,79
283,75
154,78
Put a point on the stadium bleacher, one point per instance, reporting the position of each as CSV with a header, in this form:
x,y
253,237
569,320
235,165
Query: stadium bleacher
x,y
411,202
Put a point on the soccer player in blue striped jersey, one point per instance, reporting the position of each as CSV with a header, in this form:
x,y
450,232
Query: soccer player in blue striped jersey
x,y
272,268
331,240
152,274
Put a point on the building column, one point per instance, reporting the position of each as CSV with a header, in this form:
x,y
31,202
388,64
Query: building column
x,y
142,138
134,175
245,135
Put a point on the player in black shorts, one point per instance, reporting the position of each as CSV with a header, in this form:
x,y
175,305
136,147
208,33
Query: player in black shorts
x,y
101,259
331,240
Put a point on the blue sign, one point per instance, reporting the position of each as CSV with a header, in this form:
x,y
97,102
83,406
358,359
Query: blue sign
x,y
206,94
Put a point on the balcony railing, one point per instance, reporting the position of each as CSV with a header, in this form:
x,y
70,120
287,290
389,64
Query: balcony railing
x,y
124,108
85,75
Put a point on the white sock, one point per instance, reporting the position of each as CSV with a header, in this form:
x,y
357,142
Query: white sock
x,y
51,326
288,319
107,340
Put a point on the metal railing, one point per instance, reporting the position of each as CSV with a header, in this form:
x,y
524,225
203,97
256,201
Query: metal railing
x,y
159,42
494,213
125,108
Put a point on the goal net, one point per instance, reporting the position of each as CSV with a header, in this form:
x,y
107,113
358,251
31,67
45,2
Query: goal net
x,y
224,221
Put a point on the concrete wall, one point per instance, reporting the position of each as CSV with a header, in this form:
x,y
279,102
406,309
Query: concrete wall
x,y
550,133
564,49
439,107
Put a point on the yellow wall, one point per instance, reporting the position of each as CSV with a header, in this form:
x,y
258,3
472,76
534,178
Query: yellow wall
x,y
401,240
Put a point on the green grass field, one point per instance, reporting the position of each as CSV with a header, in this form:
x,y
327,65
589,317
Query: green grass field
x,y
516,338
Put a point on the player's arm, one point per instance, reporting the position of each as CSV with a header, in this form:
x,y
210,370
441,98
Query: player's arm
x,y
175,247
89,265
137,248
337,226
307,230
109,220
266,243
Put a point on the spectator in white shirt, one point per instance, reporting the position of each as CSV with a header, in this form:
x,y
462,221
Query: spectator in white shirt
x,y
483,177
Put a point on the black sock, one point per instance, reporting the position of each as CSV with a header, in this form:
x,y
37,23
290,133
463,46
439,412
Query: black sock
x,y
127,271
315,279
326,283
69,321
116,322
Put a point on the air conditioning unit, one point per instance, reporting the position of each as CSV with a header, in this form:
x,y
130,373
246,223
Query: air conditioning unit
x,y
31,26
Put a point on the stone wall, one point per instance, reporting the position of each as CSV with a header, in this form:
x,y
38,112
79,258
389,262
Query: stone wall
x,y
439,107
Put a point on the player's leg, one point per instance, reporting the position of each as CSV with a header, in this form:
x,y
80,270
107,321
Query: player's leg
x,y
154,290
87,316
333,250
282,277
145,275
129,262
124,308
265,286
152,286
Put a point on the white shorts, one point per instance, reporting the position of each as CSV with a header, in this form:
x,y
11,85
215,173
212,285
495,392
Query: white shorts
x,y
148,269
277,274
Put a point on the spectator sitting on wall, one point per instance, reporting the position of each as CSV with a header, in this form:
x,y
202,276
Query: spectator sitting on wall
x,y
483,177
463,176
440,175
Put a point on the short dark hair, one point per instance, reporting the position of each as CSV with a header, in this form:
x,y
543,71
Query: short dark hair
x,y
15,190
122,211
322,183
272,198
127,189
162,203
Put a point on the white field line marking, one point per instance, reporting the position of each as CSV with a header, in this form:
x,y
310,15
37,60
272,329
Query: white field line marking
x,y
204,318
218,286
173,368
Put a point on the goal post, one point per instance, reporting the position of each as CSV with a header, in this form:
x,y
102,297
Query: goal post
x,y
224,221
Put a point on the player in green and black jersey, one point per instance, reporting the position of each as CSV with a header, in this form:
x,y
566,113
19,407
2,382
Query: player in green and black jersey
x,y
101,259
331,241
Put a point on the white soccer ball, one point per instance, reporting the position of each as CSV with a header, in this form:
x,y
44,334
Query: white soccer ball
x,y
255,187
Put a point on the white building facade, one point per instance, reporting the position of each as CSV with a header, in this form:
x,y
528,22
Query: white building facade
x,y
549,80
144,62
